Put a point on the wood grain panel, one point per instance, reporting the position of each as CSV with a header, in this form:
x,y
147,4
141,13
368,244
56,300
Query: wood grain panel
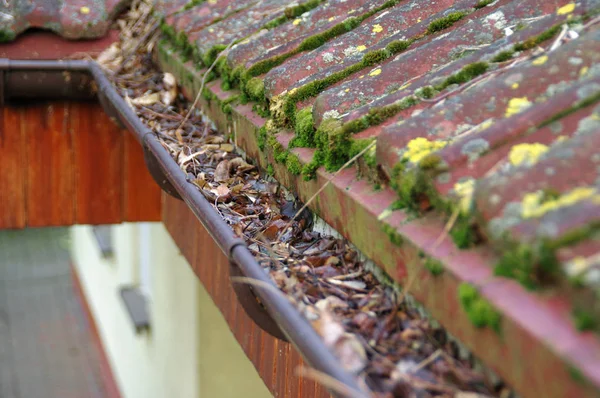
x,y
99,165
274,360
50,176
12,170
141,195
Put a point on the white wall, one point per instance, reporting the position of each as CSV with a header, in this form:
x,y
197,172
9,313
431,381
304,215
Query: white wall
x,y
189,351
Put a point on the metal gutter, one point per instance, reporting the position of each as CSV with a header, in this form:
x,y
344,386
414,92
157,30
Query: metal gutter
x,y
85,80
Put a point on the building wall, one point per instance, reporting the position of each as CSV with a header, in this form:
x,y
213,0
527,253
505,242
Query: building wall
x,y
189,350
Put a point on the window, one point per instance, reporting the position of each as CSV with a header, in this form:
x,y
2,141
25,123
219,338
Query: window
x,y
103,235
138,296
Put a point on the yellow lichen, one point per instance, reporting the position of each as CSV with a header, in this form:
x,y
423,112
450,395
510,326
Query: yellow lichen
x,y
85,10
486,124
405,86
517,105
377,28
420,147
361,48
533,204
566,9
346,90
375,72
515,86
351,11
526,154
583,71
331,19
540,60
297,21
464,190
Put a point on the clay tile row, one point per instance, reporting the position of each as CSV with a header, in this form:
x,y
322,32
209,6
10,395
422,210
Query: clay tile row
x,y
72,19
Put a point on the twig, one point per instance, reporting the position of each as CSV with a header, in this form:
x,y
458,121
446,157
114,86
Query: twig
x,y
312,198
193,106
435,355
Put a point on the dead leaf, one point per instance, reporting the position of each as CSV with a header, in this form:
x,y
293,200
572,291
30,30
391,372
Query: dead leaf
x,y
222,190
147,99
222,171
239,165
354,285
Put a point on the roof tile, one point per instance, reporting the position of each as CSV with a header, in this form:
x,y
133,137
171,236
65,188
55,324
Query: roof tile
x,y
72,19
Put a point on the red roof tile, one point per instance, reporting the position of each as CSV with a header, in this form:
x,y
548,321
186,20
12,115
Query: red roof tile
x,y
72,19
486,110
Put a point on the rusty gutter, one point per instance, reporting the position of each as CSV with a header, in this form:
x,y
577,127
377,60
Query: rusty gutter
x,y
85,80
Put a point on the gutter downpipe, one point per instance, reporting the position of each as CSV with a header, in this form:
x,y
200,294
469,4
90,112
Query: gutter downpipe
x,y
85,80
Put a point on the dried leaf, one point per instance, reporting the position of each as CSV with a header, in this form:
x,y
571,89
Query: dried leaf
x,y
222,190
354,285
222,171
239,165
147,99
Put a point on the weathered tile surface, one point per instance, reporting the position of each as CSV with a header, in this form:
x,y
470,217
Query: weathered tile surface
x,y
72,19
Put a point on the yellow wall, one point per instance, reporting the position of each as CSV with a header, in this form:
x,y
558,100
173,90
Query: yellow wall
x,y
189,351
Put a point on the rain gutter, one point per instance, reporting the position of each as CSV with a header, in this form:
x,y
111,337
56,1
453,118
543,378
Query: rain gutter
x,y
85,80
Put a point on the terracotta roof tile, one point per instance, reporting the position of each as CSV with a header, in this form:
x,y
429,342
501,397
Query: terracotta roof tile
x,y
72,19
485,113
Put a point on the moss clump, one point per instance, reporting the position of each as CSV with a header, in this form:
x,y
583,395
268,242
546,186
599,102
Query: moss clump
x,y
591,100
530,266
293,164
465,75
357,146
261,110
435,267
480,311
393,234
576,375
279,152
483,3
534,41
261,138
304,128
503,56
255,88
446,21
584,320
270,170
7,35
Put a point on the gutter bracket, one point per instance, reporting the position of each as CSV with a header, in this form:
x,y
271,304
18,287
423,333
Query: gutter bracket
x,y
157,172
251,304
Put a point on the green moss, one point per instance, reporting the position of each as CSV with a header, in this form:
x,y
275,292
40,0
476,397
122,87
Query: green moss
x,y
293,164
275,22
446,21
536,40
465,75
304,128
279,152
529,265
480,312
426,92
435,267
270,170
261,110
255,88
393,234
6,36
591,100
503,56
357,146
398,46
576,374
483,3
584,320
261,138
